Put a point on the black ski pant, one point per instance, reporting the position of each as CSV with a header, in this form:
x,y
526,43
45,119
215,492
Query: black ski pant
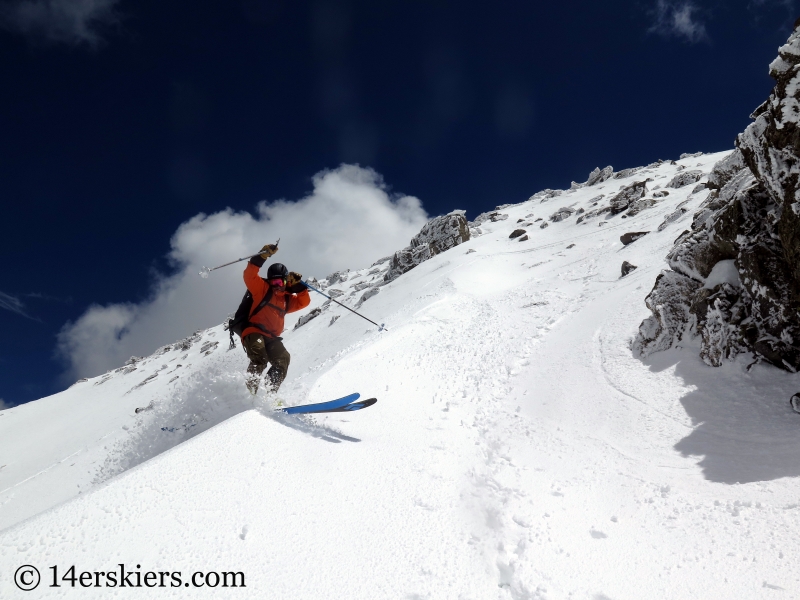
x,y
261,351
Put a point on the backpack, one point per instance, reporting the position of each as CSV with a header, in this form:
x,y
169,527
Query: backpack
x,y
241,319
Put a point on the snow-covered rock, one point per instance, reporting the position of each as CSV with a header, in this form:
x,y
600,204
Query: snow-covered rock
x,y
685,178
312,314
562,213
627,196
749,223
436,236
599,175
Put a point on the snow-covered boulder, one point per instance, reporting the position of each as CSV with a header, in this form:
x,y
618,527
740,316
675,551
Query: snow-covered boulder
x,y
561,214
627,196
685,178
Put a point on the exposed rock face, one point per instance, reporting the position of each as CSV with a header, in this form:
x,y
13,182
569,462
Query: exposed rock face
x,y
436,236
627,196
735,278
725,169
516,233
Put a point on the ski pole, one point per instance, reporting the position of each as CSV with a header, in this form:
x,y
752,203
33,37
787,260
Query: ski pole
x,y
204,273
380,327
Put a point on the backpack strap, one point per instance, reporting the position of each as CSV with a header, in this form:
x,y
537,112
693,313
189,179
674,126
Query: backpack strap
x,y
263,303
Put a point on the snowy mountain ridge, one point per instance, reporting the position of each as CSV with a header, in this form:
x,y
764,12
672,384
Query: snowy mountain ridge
x,y
518,449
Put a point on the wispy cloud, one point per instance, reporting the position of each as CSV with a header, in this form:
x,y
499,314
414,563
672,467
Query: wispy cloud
x,y
678,19
12,303
59,21
4,405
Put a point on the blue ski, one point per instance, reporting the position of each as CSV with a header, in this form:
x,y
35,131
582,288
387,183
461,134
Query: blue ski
x,y
321,406
346,404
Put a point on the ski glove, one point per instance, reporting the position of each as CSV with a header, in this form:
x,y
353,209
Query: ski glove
x,y
268,251
294,283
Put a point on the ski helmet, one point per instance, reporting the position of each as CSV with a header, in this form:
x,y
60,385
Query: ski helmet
x,y
277,270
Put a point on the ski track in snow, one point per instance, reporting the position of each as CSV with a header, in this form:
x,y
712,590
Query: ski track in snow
x,y
517,450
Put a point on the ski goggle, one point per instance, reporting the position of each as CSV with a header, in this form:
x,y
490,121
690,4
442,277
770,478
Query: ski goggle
x,y
277,282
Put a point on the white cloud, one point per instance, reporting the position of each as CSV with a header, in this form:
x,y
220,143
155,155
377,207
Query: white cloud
x,y
678,19
68,21
348,221
3,405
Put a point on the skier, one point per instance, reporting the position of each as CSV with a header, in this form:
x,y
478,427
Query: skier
x,y
284,293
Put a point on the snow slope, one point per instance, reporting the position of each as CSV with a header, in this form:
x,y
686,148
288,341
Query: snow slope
x,y
518,449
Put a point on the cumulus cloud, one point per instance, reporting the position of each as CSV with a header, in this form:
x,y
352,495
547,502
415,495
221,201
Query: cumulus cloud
x,y
349,220
678,19
65,21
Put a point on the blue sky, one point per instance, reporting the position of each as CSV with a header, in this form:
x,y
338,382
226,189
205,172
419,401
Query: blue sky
x,y
120,121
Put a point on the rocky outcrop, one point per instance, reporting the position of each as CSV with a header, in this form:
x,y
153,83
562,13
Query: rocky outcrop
x,y
436,236
735,276
516,233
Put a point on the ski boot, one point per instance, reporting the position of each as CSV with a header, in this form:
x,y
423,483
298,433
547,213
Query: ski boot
x,y
252,383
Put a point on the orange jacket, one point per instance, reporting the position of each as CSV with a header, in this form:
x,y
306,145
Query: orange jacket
x,y
271,316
